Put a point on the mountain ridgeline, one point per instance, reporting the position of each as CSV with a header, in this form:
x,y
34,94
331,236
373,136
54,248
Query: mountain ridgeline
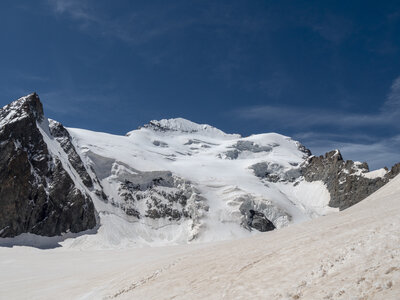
x,y
170,180
37,194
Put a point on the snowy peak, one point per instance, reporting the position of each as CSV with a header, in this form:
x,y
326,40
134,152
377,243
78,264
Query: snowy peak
x,y
27,106
180,125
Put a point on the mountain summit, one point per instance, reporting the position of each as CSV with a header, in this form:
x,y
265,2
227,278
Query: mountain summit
x,y
180,125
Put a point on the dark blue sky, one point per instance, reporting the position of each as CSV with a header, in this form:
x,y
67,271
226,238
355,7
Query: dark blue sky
x,y
324,72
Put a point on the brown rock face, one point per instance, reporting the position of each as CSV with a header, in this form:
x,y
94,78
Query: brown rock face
x,y
343,179
37,195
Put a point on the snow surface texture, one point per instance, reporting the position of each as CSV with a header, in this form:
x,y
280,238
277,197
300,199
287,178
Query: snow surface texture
x,y
375,174
175,181
353,254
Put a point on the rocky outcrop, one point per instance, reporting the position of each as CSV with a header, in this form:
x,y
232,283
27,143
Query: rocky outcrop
x,y
159,195
257,220
274,172
344,179
160,144
242,146
37,194
395,170
261,214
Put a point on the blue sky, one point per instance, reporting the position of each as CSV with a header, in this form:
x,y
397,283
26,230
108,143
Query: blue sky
x,y
324,72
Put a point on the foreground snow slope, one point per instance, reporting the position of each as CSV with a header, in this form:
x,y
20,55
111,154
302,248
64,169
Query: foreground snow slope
x,y
354,254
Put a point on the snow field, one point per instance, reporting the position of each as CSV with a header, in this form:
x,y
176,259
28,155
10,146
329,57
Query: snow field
x,y
353,254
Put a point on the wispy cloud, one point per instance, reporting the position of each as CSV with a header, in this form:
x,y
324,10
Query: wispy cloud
x,y
275,85
30,76
76,9
86,17
295,117
66,103
300,117
392,105
333,28
134,27
167,27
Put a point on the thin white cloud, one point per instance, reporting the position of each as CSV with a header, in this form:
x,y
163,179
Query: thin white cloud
x,y
88,19
30,76
300,117
392,105
275,85
335,136
75,9
134,27
333,28
69,103
295,117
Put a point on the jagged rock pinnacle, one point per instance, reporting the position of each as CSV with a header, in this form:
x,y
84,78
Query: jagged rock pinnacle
x,y
31,104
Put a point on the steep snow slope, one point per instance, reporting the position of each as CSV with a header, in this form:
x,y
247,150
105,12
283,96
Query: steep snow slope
x,y
353,254
175,181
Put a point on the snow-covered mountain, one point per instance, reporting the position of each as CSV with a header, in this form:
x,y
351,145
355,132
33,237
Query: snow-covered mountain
x,y
170,181
176,180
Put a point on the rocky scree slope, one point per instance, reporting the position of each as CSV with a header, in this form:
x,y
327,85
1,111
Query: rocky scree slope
x,y
170,180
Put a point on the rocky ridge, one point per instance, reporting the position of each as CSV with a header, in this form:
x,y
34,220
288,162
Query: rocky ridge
x,y
37,195
345,179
